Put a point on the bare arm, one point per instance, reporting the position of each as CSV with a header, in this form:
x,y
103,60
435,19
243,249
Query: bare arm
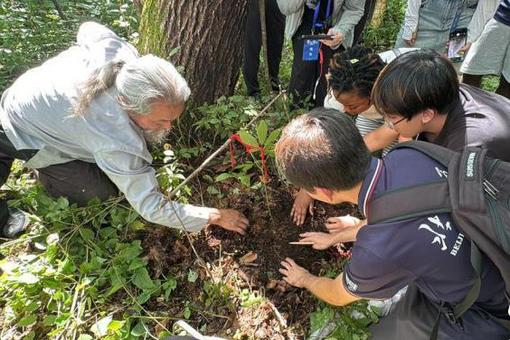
x,y
329,290
380,138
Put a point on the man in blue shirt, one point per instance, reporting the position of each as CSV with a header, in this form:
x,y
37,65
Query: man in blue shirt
x,y
323,153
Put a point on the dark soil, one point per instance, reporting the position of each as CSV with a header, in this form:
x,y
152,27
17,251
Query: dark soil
x,y
268,237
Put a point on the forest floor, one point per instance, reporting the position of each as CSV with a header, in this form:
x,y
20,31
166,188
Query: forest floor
x,y
249,265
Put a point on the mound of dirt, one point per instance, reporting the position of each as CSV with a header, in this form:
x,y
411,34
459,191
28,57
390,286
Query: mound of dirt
x,y
255,258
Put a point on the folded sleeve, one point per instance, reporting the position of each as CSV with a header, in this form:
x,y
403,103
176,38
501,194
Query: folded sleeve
x,y
352,12
410,25
368,276
136,179
484,12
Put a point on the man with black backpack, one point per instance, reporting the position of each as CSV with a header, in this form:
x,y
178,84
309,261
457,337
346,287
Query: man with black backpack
x,y
449,295
418,94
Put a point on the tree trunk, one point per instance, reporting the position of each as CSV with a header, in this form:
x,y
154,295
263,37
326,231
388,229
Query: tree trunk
x,y
204,37
379,11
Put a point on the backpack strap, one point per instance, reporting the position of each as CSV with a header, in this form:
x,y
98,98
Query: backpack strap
x,y
455,313
438,153
410,202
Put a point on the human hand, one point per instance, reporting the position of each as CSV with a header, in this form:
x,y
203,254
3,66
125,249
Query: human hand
x,y
340,223
229,219
336,41
293,274
412,41
317,240
303,203
465,48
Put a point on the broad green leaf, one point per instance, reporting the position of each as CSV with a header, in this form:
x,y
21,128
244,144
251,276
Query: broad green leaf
x,y
187,312
32,306
86,234
100,328
27,320
212,190
116,325
49,320
169,286
139,330
192,276
142,280
144,297
116,284
320,318
270,141
245,180
137,225
130,252
85,337
136,263
262,131
248,139
223,176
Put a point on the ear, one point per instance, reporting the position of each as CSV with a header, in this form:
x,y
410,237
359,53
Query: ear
x,y
325,192
428,115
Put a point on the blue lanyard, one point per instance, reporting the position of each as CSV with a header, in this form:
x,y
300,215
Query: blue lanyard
x,y
316,13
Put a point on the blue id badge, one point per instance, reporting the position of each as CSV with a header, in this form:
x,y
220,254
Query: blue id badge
x,y
311,50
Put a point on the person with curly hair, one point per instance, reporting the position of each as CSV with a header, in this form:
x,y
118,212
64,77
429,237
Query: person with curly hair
x,y
351,76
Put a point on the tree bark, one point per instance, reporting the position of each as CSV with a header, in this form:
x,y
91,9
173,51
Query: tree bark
x,y
379,11
204,37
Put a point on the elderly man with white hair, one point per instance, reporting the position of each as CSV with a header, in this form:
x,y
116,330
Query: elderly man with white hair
x,y
83,120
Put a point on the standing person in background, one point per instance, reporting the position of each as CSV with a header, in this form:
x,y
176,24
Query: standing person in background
x,y
428,24
336,18
275,28
490,54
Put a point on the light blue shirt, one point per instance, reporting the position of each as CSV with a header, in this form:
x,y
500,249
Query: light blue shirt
x,y
36,113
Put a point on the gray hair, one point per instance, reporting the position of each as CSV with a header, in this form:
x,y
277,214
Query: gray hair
x,y
139,82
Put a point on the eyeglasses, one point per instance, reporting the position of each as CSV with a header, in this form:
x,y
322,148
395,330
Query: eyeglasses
x,y
390,124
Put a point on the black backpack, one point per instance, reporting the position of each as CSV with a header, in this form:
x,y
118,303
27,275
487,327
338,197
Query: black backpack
x,y
476,193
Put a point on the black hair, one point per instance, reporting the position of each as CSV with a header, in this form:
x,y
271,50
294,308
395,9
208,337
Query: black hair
x,y
414,82
355,69
322,149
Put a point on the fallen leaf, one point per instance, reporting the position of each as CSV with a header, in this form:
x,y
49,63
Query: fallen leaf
x,y
248,257
272,284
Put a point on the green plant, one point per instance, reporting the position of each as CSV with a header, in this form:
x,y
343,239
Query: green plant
x,y
32,31
383,37
349,322
260,143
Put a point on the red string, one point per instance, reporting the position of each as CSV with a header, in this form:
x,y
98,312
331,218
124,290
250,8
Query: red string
x,y
321,61
236,138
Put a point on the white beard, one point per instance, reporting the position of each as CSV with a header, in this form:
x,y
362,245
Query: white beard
x,y
155,136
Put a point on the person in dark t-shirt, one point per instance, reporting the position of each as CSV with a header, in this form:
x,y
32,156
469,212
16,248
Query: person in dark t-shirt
x,y
419,95
324,153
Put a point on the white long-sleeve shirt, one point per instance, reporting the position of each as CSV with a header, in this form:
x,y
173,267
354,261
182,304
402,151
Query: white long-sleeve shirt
x,y
36,113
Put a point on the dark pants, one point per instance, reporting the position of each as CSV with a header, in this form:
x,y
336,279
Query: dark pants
x,y
275,27
367,16
415,316
306,73
78,181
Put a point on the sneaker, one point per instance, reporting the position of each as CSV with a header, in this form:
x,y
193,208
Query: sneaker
x,y
16,224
